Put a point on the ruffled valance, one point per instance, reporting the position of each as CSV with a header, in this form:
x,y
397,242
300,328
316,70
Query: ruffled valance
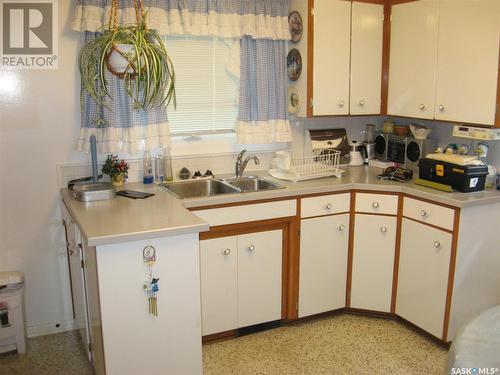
x,y
258,19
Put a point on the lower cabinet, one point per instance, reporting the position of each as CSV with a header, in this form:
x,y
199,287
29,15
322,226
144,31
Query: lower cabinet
x,y
323,264
424,264
240,280
373,262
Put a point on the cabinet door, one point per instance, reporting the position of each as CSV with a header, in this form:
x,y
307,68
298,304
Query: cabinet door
x,y
218,258
366,58
373,262
412,66
323,264
424,263
332,37
77,278
467,65
259,277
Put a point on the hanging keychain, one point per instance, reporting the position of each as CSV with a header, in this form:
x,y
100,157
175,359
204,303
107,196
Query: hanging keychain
x,y
151,286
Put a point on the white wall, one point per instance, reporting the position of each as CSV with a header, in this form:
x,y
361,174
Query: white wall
x,y
39,116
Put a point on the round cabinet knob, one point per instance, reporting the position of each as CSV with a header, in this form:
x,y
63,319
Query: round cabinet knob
x,y
329,206
341,227
383,229
437,244
251,248
227,252
361,103
341,103
423,213
375,204
422,107
442,108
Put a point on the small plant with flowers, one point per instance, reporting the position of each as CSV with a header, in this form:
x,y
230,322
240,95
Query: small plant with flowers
x,y
114,167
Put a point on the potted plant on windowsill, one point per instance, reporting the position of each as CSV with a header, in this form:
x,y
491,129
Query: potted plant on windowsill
x,y
116,169
134,53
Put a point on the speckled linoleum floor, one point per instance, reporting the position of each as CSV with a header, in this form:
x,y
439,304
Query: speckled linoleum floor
x,y
338,345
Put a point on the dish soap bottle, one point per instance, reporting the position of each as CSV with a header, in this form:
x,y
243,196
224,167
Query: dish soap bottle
x,y
147,164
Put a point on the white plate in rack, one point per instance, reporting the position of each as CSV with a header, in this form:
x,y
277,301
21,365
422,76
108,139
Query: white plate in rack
x,y
294,177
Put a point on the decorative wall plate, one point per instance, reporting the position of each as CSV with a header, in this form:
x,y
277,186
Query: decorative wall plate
x,y
294,64
295,25
293,99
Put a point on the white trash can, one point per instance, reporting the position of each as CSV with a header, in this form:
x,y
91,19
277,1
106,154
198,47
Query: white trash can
x,y
12,322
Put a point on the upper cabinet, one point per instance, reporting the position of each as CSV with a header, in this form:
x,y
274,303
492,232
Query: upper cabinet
x,y
367,28
331,56
412,66
467,63
342,70
347,57
444,60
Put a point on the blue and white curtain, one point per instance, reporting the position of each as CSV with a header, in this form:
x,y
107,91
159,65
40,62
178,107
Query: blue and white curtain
x,y
263,114
262,26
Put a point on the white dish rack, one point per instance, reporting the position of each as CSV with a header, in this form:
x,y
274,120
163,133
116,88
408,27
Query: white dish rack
x,y
308,166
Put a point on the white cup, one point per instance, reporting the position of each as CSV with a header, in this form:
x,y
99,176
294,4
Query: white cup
x,y
283,160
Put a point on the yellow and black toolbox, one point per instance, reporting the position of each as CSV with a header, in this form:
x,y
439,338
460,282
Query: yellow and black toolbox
x,y
464,178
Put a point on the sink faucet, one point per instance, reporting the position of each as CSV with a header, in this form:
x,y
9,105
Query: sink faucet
x,y
241,164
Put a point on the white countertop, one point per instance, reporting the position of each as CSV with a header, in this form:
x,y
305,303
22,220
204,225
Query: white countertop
x,y
125,219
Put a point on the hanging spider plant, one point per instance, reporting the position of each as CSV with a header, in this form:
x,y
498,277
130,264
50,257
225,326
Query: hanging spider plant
x,y
134,53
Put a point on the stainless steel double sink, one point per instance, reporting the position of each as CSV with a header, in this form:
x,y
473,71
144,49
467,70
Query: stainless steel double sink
x,y
211,187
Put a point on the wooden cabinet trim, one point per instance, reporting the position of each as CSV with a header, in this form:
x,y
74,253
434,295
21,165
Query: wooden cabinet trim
x,y
397,251
430,201
386,53
242,203
335,214
325,193
350,250
451,275
429,225
310,57
497,113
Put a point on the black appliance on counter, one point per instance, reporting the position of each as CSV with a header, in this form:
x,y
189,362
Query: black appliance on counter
x,y
464,178
406,151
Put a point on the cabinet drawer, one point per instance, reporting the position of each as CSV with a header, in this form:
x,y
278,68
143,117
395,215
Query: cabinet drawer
x,y
325,205
248,212
377,203
428,213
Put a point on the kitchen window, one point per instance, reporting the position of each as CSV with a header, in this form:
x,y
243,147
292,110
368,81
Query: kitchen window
x,y
206,86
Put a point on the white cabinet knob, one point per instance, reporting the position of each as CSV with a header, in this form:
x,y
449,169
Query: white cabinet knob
x,y
251,248
329,206
341,103
383,229
423,213
341,227
361,103
227,252
375,204
437,244
422,107
442,108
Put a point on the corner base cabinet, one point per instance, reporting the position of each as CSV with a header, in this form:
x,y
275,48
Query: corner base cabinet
x,y
424,265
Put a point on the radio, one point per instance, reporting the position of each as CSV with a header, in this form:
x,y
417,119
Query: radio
x,y
406,151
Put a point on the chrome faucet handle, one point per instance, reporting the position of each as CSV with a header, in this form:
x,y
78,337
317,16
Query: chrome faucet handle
x,y
240,155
